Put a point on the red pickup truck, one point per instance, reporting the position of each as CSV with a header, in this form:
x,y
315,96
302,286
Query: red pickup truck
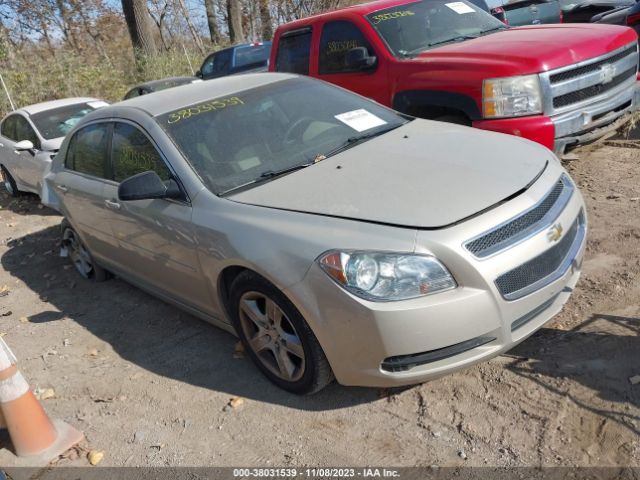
x,y
559,85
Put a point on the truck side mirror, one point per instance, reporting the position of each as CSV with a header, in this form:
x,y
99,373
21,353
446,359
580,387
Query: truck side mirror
x,y
358,58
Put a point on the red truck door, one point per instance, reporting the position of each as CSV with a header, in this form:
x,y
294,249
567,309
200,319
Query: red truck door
x,y
337,38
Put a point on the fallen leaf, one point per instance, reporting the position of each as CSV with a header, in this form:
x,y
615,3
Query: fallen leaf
x,y
45,394
238,351
634,380
95,457
235,402
24,320
93,352
4,291
7,313
2,334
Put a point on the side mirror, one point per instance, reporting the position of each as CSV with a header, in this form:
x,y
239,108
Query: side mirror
x,y
23,145
146,186
358,58
199,74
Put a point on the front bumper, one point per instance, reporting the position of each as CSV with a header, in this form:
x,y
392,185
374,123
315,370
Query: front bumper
x,y
401,343
573,128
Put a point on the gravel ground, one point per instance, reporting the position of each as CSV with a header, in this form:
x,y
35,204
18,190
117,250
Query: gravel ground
x,y
150,385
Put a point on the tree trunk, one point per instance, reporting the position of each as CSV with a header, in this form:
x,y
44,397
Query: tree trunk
x,y
265,20
212,21
234,20
139,25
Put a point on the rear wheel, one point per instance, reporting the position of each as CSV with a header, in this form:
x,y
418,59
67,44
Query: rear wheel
x,y
9,183
276,337
80,256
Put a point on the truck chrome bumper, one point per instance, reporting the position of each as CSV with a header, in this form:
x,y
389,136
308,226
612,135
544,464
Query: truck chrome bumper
x,y
594,121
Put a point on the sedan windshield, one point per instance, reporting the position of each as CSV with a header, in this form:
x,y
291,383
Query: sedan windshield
x,y
411,28
257,135
57,122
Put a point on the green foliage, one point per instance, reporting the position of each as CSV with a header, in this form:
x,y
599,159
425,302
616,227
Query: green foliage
x,y
34,77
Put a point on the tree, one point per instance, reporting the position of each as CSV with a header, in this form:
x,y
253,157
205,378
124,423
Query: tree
x,y
212,21
139,25
234,21
266,22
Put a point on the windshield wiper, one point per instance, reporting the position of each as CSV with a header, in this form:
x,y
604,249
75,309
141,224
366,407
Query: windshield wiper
x,y
459,38
277,173
353,141
491,30
265,176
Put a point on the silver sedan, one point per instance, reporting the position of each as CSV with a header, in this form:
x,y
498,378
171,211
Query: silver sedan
x,y
31,135
334,236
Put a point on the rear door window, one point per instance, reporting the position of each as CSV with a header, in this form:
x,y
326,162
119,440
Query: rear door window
x,y
294,51
8,129
337,39
88,151
133,153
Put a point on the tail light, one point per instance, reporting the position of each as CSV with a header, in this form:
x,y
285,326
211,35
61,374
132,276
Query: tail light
x,y
500,14
633,19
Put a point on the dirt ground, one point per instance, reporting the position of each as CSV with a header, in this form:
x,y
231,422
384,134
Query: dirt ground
x,y
150,385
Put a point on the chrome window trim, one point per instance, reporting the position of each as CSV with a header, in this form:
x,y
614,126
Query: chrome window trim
x,y
531,230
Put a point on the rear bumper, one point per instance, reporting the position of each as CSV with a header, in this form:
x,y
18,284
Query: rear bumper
x,y
572,128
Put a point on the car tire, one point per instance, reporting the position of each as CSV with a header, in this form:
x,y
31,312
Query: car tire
x,y
80,256
283,347
9,183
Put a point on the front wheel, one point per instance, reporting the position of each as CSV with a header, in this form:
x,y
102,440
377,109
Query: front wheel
x,y
276,337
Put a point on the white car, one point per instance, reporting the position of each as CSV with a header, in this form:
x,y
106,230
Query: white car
x,y
31,135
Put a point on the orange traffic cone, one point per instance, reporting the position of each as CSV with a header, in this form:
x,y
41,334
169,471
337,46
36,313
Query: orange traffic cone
x,y
32,433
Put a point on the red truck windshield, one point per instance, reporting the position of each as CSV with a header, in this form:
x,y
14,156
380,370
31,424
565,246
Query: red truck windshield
x,y
414,27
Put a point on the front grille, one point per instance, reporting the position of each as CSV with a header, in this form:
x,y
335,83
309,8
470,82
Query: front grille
x,y
592,67
593,91
531,221
543,269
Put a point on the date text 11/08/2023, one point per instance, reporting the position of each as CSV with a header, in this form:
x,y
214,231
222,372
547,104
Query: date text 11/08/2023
x,y
365,472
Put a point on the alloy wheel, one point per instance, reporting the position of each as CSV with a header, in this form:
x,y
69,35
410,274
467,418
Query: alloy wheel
x,y
272,336
77,253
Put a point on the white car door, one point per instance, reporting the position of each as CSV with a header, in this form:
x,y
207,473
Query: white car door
x,y
31,165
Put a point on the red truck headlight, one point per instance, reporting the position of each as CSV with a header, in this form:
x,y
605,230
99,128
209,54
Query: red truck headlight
x,y
511,96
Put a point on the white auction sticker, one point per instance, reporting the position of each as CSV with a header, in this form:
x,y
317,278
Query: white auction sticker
x,y
360,120
97,104
460,7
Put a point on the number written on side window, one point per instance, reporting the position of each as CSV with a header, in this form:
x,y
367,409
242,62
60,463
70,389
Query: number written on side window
x,y
337,39
134,153
87,152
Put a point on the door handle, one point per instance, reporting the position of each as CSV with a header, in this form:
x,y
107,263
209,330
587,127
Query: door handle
x,y
113,205
62,188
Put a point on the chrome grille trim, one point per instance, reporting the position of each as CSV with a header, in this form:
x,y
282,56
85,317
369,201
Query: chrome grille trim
x,y
546,268
526,224
565,81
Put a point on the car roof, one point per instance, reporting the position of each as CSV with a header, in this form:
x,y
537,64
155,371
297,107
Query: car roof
x,y
162,81
171,99
44,106
361,9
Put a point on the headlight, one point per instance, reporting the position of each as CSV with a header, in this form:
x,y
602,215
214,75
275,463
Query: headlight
x,y
511,96
382,277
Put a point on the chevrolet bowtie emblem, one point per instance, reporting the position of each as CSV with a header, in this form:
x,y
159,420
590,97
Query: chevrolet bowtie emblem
x,y
554,233
607,73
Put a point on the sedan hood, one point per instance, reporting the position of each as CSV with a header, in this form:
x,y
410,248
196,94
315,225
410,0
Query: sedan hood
x,y
533,49
424,174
